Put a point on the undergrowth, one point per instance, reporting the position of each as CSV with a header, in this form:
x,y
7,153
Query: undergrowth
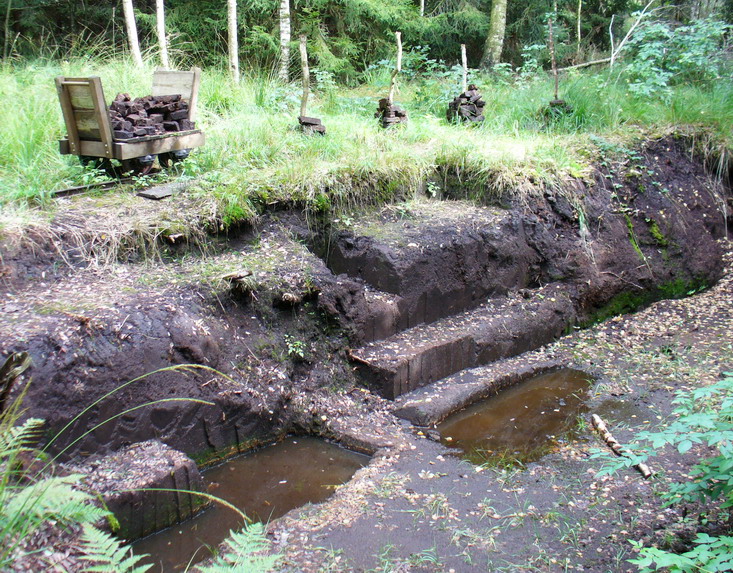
x,y
255,157
37,505
703,418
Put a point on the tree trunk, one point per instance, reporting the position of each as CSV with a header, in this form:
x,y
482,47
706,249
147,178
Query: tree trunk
x,y
132,32
284,40
162,40
495,39
6,45
233,41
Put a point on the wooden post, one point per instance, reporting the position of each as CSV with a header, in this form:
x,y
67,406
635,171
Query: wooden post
x,y
552,54
306,75
577,31
464,63
162,40
397,70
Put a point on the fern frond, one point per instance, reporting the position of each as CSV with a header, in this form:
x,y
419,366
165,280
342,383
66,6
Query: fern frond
x,y
52,497
21,437
107,554
245,553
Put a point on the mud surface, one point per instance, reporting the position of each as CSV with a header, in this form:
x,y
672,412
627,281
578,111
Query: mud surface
x,y
214,345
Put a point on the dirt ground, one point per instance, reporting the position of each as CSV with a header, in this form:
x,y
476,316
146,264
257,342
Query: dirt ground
x,y
418,507
117,289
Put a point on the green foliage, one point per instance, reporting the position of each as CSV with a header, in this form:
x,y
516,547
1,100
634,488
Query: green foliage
x,y
662,56
106,554
29,505
703,416
246,552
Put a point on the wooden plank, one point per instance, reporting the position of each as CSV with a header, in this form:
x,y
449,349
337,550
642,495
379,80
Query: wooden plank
x,y
87,125
186,83
162,144
80,96
193,102
68,113
156,192
169,82
85,114
100,108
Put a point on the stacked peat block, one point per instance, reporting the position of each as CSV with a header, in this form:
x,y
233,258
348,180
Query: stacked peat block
x,y
311,125
467,107
390,114
148,115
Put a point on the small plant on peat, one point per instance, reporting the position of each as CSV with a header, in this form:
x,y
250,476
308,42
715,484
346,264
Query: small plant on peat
x,y
703,416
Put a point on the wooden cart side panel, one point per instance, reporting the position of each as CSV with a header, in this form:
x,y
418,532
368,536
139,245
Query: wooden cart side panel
x,y
131,148
170,82
100,108
68,113
85,113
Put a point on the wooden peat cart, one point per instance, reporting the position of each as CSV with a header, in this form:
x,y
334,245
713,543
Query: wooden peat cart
x,y
89,130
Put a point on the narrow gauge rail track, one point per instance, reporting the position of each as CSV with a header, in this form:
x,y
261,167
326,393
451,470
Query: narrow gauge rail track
x,y
102,185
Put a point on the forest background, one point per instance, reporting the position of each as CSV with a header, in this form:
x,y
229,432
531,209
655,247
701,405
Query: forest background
x,y
346,37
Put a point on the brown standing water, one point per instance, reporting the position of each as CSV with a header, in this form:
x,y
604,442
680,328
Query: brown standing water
x,y
522,423
265,485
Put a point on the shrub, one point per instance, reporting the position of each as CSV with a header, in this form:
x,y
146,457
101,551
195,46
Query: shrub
x,y
661,56
703,416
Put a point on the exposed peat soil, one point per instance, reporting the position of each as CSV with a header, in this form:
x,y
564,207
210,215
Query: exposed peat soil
x,y
369,331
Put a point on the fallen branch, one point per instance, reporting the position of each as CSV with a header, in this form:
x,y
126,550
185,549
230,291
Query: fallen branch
x,y
585,64
617,448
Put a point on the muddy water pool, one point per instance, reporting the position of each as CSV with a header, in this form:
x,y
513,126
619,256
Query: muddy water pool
x,y
265,484
521,423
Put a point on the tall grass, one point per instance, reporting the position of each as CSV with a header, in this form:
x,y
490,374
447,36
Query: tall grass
x,y
255,156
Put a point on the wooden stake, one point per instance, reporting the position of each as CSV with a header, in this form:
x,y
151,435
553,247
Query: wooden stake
x,y
464,62
306,75
552,54
617,448
397,69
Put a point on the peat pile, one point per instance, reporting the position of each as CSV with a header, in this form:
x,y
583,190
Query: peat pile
x,y
467,107
390,114
149,115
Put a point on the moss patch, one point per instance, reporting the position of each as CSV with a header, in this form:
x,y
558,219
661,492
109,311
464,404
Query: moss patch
x,y
627,302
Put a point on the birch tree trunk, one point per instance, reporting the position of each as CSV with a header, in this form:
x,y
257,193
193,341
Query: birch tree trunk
x,y
162,40
233,41
132,32
495,39
284,40
6,45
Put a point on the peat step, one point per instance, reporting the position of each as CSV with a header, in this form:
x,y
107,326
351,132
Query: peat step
x,y
439,259
502,327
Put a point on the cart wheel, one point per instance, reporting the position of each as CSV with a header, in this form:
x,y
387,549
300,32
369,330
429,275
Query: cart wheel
x,y
167,159
138,165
